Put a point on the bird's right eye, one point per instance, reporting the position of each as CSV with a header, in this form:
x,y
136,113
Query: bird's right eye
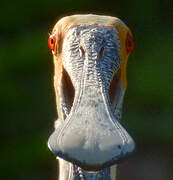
x,y
51,42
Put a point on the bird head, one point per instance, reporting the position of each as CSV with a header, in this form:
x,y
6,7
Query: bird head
x,y
90,55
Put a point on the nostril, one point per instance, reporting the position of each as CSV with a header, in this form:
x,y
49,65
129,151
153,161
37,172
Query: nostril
x,y
82,52
119,147
101,52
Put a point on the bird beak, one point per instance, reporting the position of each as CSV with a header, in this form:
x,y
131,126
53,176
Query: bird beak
x,y
90,98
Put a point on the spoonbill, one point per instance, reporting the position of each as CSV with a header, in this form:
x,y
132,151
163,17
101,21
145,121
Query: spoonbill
x,y
90,54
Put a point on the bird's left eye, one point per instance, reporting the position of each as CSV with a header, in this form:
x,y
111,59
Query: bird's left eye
x,y
129,44
51,42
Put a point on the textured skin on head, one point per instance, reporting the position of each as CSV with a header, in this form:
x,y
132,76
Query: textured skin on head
x,y
65,23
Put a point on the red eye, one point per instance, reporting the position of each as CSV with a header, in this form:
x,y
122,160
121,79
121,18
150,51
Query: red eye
x,y
51,42
129,43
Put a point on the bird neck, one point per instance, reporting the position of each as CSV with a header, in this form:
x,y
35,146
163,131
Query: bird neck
x,y
69,171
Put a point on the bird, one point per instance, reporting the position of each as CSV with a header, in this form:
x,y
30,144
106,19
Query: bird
x,y
90,54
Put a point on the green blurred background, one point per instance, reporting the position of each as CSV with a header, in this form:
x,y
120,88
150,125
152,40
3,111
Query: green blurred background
x,y
27,100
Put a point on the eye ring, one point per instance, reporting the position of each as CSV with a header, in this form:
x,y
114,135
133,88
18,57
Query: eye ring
x,y
51,42
129,43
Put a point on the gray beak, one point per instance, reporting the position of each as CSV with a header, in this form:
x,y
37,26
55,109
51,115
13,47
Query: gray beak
x,y
91,135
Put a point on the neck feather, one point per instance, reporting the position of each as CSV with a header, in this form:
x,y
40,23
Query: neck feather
x,y
68,171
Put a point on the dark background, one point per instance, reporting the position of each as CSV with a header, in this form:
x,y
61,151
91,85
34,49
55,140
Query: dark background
x,y
27,100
